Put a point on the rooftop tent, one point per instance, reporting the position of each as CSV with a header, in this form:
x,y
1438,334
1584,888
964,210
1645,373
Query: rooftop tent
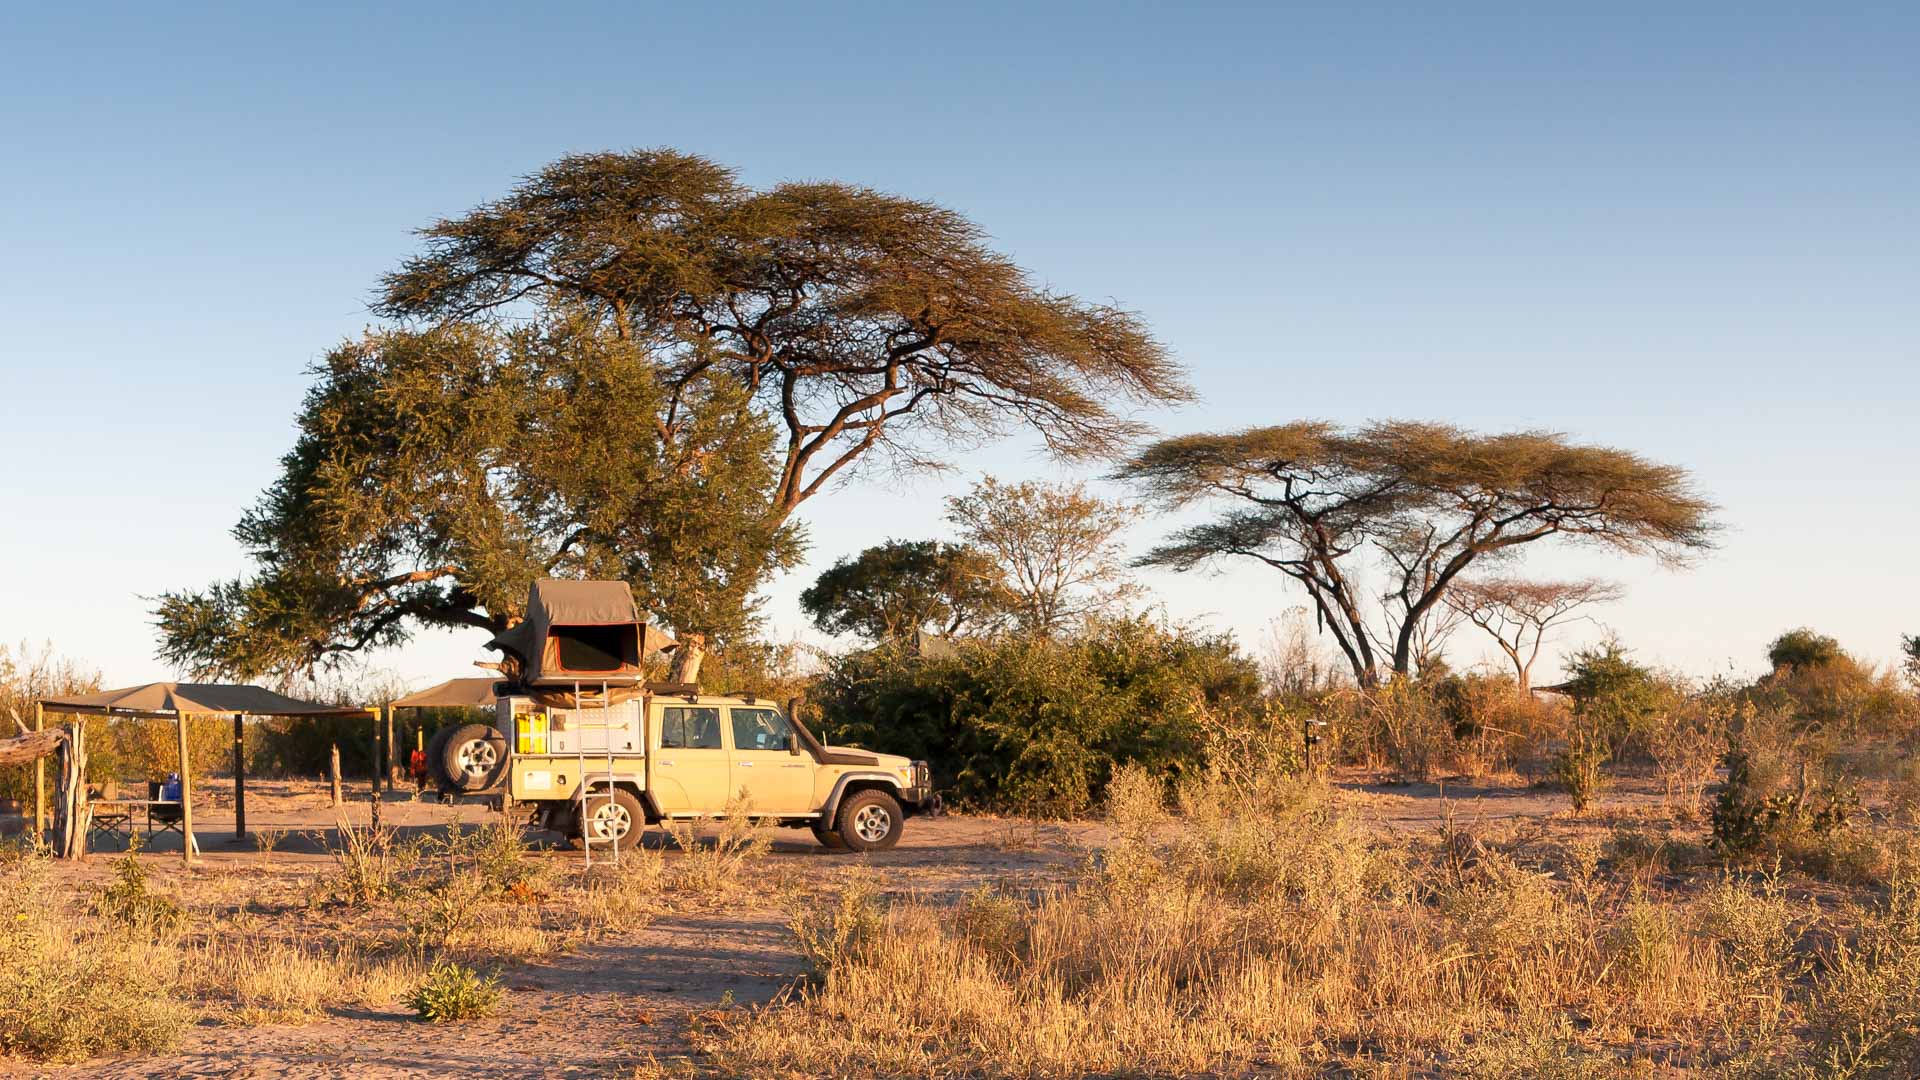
x,y
577,631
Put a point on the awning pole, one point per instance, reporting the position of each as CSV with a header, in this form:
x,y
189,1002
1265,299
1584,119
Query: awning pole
x,y
376,770
186,790
239,777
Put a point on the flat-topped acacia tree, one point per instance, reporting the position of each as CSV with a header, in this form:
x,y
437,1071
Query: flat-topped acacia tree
x,y
846,323
1409,506
859,321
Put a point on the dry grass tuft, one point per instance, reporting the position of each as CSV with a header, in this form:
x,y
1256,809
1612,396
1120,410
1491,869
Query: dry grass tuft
x,y
1256,929
73,986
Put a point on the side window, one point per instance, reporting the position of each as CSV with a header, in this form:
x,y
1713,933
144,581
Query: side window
x,y
690,727
760,729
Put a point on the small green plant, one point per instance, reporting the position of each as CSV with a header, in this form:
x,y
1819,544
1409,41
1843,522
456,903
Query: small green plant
x,y
131,901
455,992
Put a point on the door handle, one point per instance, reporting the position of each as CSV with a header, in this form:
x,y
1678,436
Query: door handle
x,y
665,762
744,764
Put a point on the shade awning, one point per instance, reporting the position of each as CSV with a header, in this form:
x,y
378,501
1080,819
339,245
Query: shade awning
x,y
469,693
168,699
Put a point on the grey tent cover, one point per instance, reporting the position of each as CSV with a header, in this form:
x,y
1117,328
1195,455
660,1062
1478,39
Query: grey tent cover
x,y
470,693
588,631
172,699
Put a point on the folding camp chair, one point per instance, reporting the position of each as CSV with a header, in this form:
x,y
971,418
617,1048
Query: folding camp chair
x,y
110,817
164,815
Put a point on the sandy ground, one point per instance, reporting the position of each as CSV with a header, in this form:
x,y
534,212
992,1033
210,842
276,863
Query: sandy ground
x,y
614,1003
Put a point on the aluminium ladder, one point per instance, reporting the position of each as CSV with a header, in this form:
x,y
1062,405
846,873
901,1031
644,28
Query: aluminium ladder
x,y
605,794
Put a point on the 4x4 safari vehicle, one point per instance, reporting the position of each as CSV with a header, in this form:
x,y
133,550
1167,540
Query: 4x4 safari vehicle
x,y
597,751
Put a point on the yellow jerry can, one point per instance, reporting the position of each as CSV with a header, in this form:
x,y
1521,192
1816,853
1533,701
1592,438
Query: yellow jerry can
x,y
530,733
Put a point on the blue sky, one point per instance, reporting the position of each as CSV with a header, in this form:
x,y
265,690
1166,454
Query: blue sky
x,y
1694,235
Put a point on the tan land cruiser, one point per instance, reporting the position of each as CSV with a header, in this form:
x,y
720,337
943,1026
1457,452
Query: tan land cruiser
x,y
598,752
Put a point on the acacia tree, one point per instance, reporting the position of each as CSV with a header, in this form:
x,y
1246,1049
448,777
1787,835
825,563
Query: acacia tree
x,y
858,321
1056,546
1517,612
1910,657
1417,502
891,591
437,473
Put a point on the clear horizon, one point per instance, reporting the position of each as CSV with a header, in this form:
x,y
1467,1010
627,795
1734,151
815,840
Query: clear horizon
x,y
1693,236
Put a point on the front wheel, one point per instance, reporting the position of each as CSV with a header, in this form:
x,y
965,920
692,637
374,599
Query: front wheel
x,y
870,821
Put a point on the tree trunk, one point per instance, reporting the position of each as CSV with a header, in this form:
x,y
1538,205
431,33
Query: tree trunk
x,y
687,658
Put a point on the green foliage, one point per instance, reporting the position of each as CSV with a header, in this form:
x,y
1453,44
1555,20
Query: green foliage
x,y
891,590
455,992
860,322
1613,696
1910,658
438,472
1803,648
1041,724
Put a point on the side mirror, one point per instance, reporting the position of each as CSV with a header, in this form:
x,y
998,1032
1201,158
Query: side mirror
x,y
793,743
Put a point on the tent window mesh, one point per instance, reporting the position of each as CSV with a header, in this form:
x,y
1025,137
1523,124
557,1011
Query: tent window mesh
x,y
595,648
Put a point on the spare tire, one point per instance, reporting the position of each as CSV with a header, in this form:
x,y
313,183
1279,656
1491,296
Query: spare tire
x,y
473,758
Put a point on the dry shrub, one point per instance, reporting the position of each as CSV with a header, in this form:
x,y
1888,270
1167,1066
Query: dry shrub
x,y
1266,933
1686,742
73,987
720,868
366,863
625,897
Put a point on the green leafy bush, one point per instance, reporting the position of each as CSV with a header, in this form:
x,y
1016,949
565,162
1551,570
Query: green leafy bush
x,y
455,992
1037,724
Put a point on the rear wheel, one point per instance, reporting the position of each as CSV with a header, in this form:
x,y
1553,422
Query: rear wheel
x,y
870,821
611,822
472,758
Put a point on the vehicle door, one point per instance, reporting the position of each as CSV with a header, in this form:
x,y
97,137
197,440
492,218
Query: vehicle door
x,y
690,770
775,780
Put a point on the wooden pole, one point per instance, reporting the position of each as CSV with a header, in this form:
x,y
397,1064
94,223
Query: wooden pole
x,y
333,771
377,768
39,781
392,770
186,790
239,777
79,813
